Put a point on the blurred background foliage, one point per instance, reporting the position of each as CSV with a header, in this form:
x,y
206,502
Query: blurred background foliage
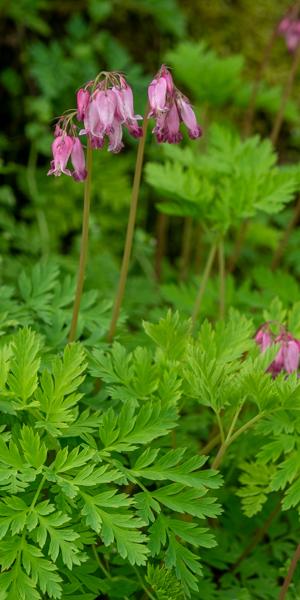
x,y
49,49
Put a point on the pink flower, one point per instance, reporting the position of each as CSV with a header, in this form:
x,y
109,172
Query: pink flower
x,y
291,356
115,137
106,103
93,127
157,94
83,98
189,118
263,338
283,25
165,73
125,110
78,161
167,127
289,29
61,149
288,355
169,107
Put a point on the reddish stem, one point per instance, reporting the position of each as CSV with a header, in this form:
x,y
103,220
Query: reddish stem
x,y
290,573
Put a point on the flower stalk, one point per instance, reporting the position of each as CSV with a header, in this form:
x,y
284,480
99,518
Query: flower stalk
x,y
290,573
84,244
130,231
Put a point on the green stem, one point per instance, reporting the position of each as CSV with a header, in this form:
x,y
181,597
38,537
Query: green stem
x,y
231,438
285,96
31,507
37,493
84,243
234,420
203,285
143,585
220,425
211,444
102,567
246,426
222,274
130,231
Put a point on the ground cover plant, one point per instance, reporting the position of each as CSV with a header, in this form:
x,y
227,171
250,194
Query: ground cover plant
x,y
149,305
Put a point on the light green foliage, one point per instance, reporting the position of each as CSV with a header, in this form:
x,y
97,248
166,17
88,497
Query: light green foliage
x,y
43,298
217,80
60,493
234,179
165,585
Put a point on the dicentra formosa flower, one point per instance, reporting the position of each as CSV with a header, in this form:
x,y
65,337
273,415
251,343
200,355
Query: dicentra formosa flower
x,y
289,29
288,355
105,106
106,110
67,147
170,107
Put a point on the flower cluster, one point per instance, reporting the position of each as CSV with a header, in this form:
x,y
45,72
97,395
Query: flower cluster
x,y
106,109
287,358
289,29
105,106
170,107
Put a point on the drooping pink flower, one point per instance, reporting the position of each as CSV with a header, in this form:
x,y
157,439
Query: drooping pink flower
x,y
78,161
289,29
115,137
106,103
157,94
288,356
263,338
291,356
189,118
125,110
165,73
92,126
61,149
167,127
170,107
83,98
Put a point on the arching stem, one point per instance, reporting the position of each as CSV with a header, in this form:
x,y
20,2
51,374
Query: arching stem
x,y
84,243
